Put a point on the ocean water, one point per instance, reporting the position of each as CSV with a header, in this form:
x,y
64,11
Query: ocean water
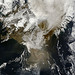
x,y
36,40
59,52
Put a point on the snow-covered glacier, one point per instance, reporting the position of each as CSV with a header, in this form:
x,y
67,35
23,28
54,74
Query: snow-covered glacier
x,y
37,37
